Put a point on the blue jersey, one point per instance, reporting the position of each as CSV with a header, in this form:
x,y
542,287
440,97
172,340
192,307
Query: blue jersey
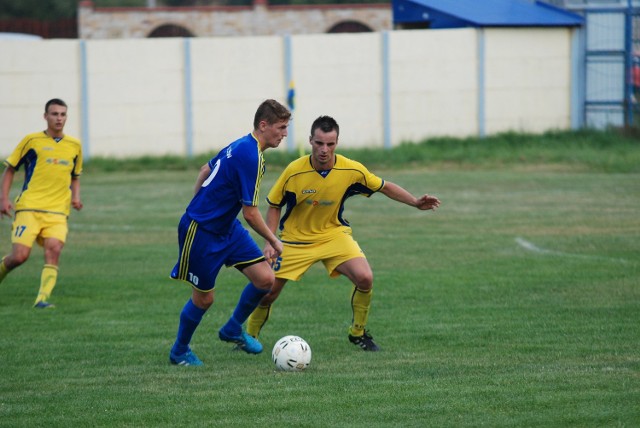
x,y
236,173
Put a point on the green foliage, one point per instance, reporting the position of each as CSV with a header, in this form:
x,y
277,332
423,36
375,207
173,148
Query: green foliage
x,y
475,328
572,150
121,3
46,10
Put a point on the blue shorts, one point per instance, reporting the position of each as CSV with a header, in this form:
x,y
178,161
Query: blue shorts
x,y
202,253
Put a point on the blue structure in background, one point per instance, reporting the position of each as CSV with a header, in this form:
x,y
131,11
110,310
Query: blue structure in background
x,y
441,14
414,14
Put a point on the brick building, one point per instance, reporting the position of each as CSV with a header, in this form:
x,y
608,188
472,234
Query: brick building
x,y
259,19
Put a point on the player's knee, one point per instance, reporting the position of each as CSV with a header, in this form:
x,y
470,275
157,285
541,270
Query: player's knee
x,y
265,281
17,258
53,249
269,298
203,300
364,280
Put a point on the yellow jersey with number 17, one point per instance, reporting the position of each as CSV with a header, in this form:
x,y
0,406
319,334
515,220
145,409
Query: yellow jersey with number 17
x,y
313,201
49,166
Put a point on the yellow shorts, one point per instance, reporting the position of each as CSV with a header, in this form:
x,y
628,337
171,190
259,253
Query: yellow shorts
x,y
296,259
29,226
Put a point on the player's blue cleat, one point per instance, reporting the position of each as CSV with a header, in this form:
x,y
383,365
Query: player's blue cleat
x,y
44,305
186,359
245,342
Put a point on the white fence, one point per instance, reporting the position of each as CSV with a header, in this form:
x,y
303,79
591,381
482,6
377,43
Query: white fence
x,y
186,96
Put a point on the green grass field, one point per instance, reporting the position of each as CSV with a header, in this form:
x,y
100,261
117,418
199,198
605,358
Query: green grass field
x,y
517,303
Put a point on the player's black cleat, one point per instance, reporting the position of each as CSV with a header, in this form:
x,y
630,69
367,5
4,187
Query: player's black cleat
x,y
365,342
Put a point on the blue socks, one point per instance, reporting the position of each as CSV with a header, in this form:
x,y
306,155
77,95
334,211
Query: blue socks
x,y
190,318
249,300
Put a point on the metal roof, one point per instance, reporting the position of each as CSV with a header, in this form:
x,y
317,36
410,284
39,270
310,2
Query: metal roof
x,y
483,13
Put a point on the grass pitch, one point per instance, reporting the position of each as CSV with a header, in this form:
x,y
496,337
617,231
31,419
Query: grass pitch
x,y
517,303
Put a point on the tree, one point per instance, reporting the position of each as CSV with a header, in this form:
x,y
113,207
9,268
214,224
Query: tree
x,y
45,10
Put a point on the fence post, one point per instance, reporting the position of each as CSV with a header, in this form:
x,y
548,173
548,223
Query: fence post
x,y
84,101
386,91
290,91
188,98
481,81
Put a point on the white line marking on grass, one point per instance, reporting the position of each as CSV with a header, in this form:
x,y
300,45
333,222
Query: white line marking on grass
x,y
534,248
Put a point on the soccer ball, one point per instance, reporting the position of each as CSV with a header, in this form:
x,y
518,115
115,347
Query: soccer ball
x,y
291,354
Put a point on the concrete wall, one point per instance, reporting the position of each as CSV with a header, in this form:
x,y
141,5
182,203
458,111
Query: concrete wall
x,y
183,96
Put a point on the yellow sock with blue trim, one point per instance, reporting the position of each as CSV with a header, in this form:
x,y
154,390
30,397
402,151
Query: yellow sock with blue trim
x,y
3,270
258,319
47,282
360,304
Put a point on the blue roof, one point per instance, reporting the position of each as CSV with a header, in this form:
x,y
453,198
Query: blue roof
x,y
483,13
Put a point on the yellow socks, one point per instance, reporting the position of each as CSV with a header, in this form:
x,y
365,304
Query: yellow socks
x,y
3,270
360,304
257,320
47,282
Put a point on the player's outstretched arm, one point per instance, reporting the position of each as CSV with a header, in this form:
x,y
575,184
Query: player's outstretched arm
x,y
428,202
397,193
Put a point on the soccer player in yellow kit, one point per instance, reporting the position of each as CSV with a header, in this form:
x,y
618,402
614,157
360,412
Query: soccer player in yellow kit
x,y
312,190
52,163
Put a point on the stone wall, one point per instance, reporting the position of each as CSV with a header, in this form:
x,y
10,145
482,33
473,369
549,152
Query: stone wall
x,y
214,21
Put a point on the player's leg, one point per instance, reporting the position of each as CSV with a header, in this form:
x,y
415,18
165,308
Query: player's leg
x,y
260,315
52,237
360,274
49,276
246,256
24,231
261,279
190,318
19,254
199,261
292,264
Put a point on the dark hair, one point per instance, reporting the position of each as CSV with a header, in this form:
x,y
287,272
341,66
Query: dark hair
x,y
326,124
55,101
270,111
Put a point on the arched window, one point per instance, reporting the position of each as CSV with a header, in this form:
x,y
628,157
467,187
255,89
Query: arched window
x,y
170,30
349,27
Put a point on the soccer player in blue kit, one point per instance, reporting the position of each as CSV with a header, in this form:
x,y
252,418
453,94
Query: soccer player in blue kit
x,y
210,235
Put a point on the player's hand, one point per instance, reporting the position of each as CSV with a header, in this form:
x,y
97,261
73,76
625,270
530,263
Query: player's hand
x,y
271,253
5,209
77,204
268,252
427,202
277,249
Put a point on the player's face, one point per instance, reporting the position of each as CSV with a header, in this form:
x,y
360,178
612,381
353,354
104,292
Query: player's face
x,y
274,133
323,146
56,117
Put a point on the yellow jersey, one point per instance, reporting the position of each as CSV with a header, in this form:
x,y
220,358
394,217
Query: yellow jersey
x,y
49,166
313,201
